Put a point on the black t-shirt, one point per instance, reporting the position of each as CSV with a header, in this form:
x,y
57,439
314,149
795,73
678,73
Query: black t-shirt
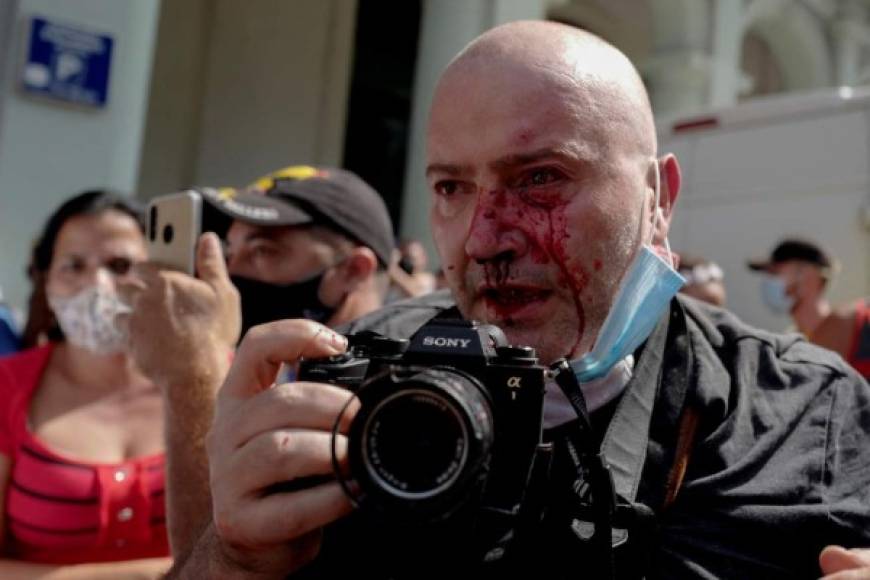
x,y
780,465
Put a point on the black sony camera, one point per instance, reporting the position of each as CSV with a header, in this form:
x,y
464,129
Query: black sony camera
x,y
450,423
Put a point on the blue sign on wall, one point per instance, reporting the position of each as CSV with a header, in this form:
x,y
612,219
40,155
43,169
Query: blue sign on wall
x,y
67,63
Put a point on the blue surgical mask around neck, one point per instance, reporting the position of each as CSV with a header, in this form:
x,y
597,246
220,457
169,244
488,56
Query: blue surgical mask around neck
x,y
645,292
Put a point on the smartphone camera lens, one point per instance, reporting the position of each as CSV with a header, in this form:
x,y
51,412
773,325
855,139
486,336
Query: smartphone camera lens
x,y
152,223
168,234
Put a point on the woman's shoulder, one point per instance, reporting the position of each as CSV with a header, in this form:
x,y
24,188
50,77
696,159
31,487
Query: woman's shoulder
x,y
23,369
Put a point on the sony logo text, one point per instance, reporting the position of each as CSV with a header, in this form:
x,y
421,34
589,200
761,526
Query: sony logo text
x,y
446,342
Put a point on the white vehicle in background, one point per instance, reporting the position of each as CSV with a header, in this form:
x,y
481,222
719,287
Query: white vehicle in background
x,y
796,165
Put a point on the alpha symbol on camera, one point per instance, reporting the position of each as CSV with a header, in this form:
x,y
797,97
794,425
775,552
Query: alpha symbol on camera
x,y
514,383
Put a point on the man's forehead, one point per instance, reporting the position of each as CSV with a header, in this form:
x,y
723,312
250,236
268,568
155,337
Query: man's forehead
x,y
559,78
244,231
508,125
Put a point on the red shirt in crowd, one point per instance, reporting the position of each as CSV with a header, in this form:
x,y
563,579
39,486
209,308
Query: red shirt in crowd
x,y
62,510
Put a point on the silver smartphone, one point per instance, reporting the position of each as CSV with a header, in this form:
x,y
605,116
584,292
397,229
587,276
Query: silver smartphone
x,y
174,226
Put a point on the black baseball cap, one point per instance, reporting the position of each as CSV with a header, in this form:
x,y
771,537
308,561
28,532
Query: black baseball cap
x,y
303,194
793,249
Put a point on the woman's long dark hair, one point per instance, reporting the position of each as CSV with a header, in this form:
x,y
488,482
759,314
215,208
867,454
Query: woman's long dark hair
x,y
41,323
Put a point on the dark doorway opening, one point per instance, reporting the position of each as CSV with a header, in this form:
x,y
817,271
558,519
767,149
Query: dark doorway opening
x,y
379,109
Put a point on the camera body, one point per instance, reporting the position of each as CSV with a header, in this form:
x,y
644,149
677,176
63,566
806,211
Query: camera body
x,y
450,422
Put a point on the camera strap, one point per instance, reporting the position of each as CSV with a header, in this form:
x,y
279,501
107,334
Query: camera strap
x,y
611,474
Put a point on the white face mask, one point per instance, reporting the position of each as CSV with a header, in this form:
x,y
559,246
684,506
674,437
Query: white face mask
x,y
87,319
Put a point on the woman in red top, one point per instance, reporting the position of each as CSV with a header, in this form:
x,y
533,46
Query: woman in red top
x,y
81,448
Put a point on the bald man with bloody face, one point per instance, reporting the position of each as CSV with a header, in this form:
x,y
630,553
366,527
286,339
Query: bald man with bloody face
x,y
546,192
541,164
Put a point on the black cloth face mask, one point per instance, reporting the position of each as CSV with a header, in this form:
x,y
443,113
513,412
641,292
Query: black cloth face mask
x,y
265,302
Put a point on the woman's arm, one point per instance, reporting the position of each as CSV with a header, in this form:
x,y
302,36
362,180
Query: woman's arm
x,y
149,569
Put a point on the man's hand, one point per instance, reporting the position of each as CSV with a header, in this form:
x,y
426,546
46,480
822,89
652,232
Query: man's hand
x,y
177,320
266,434
182,330
841,564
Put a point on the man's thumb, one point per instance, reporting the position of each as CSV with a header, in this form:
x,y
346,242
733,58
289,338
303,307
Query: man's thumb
x,y
210,264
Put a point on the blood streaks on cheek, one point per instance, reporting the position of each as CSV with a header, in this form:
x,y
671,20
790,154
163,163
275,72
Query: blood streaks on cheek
x,y
572,274
539,256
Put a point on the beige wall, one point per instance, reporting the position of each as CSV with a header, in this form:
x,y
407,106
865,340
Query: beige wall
x,y
241,88
49,150
172,132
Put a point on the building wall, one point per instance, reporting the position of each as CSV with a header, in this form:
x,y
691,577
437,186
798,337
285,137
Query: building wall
x,y
50,151
242,88
171,139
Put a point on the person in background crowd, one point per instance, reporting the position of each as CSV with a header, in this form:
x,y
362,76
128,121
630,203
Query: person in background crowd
x,y
308,242
81,429
796,278
704,279
303,242
9,339
411,276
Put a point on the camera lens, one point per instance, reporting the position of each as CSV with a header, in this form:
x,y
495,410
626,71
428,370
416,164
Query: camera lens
x,y
168,234
417,443
426,440
152,223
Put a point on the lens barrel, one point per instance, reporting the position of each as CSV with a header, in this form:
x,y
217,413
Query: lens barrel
x,y
420,445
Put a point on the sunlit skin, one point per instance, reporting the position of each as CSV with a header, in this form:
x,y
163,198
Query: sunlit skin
x,y
94,248
802,281
805,284
542,180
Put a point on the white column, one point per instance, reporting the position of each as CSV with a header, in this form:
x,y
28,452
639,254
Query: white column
x,y
851,37
728,28
48,150
679,69
447,26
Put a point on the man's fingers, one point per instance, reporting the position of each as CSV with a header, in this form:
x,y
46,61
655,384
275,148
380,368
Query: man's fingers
x,y
836,559
288,406
265,347
282,456
283,517
131,286
856,574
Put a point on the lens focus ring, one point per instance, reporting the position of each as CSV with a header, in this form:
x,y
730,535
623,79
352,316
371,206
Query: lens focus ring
x,y
424,440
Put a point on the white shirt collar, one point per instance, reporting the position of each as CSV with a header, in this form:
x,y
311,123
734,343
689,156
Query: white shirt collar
x,y
557,408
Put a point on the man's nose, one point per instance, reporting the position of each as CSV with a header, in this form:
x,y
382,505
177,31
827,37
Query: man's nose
x,y
493,233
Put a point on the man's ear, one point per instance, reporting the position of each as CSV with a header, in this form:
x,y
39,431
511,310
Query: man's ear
x,y
356,269
669,189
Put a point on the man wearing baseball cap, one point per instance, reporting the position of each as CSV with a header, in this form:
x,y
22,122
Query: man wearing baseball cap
x,y
796,277
301,242
306,242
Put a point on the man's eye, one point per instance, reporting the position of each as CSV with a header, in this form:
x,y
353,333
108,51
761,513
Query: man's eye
x,y
262,252
540,177
446,188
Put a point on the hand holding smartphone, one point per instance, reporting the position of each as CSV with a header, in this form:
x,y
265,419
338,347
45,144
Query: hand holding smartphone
x,y
174,227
